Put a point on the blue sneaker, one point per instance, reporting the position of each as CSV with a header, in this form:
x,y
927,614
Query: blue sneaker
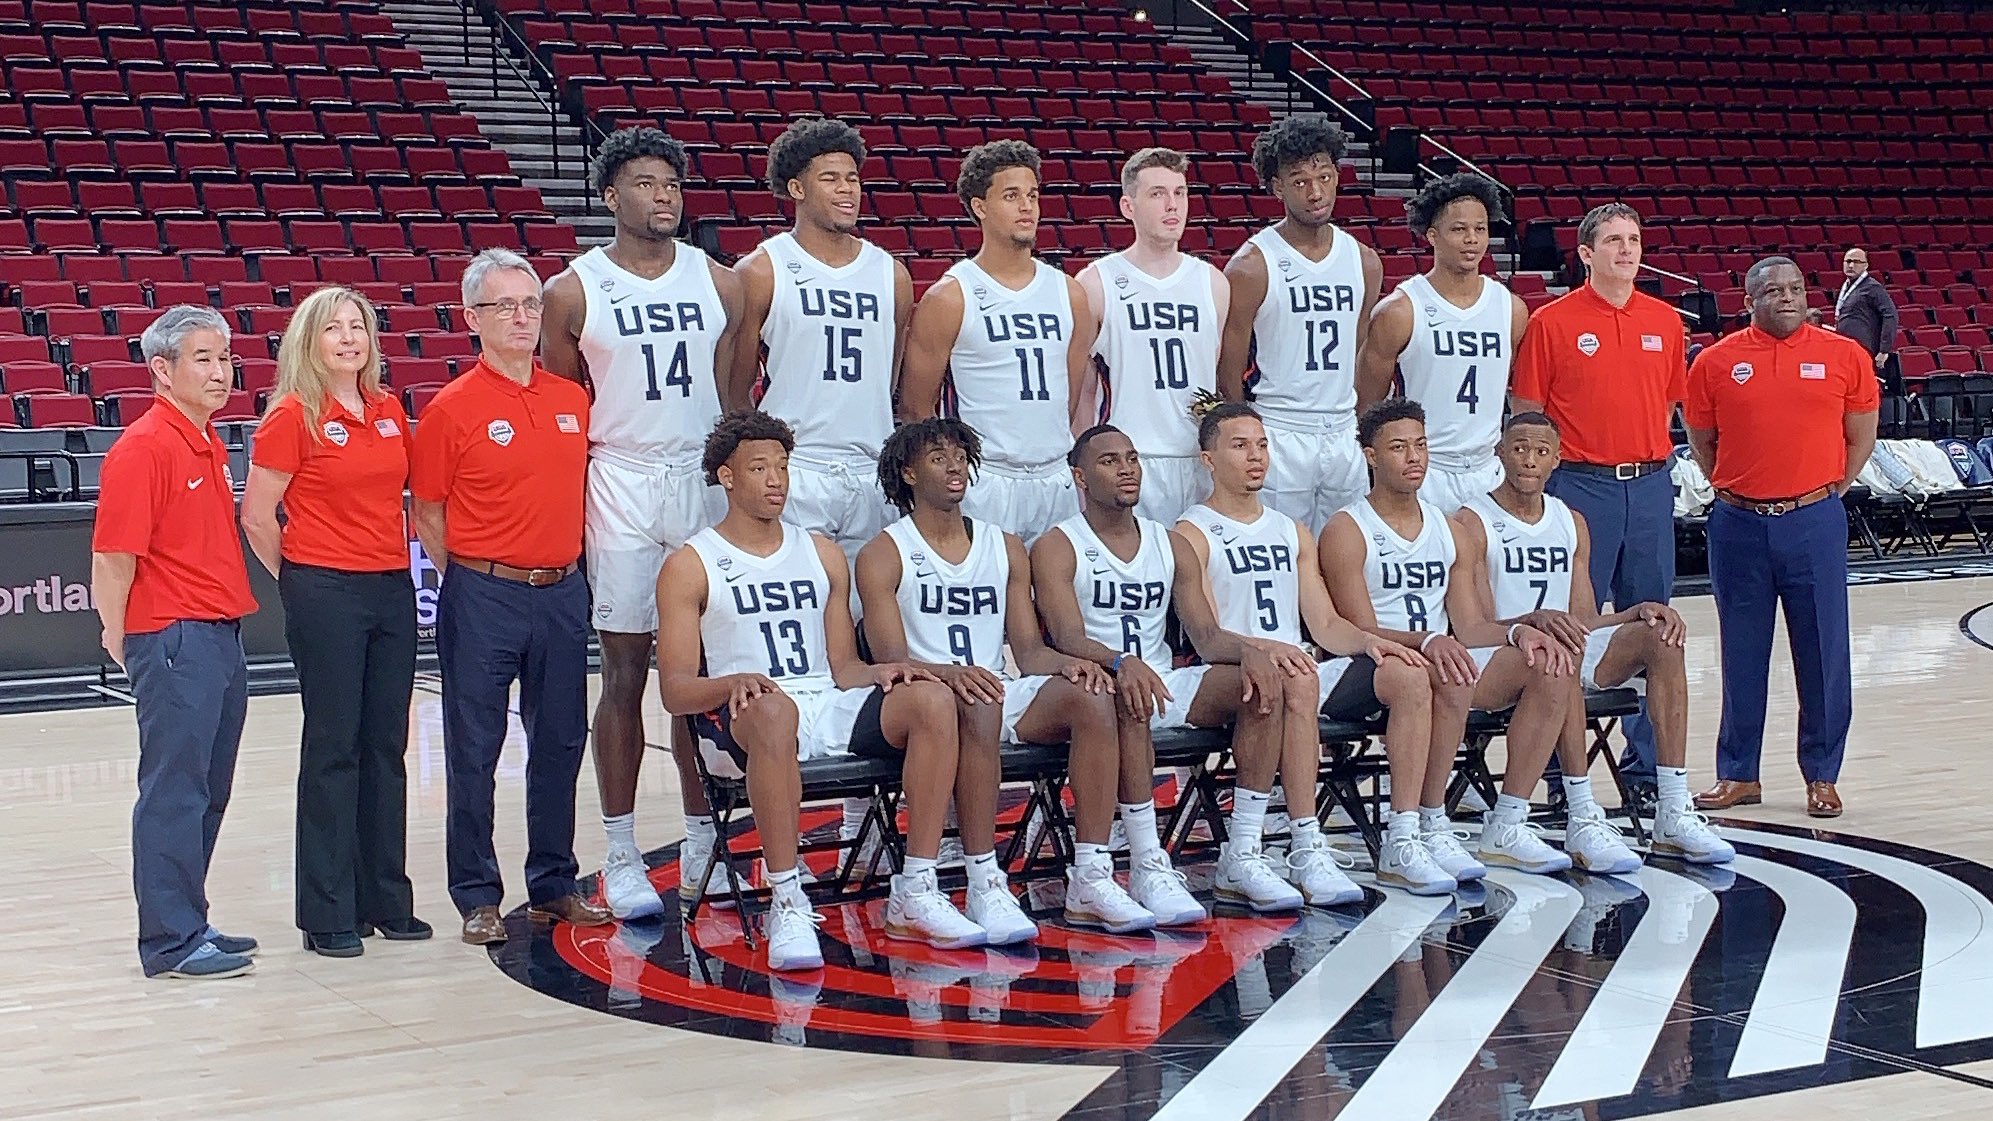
x,y
207,963
241,945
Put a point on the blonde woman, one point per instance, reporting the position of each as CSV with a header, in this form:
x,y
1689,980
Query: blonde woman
x,y
333,452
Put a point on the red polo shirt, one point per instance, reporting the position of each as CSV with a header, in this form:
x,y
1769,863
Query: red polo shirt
x,y
1777,405
510,463
1608,376
343,507
166,499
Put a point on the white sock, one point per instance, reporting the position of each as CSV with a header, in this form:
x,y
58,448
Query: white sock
x,y
622,831
1432,819
1248,818
1307,832
1139,822
918,864
699,827
1578,800
1404,825
854,815
983,864
787,884
1087,856
1511,810
1672,783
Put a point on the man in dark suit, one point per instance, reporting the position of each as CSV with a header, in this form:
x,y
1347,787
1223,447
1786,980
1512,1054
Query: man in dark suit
x,y
1863,311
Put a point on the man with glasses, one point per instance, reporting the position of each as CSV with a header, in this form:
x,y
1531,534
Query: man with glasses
x,y
497,477
645,322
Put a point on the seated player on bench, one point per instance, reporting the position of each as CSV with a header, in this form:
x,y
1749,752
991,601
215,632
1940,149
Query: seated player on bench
x,y
1529,544
1255,567
946,592
1104,580
1396,565
755,641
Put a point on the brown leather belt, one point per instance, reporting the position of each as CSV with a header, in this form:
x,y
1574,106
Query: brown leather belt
x,y
537,577
1773,507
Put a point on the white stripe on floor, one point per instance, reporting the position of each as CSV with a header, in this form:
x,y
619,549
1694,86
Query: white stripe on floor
x,y
1792,1015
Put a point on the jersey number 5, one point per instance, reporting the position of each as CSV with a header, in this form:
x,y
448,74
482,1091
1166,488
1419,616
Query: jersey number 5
x,y
676,372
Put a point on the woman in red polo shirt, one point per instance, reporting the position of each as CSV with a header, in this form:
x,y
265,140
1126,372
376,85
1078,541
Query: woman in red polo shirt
x,y
333,451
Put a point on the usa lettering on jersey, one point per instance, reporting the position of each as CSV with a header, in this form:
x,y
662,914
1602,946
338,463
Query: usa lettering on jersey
x,y
1413,576
1312,299
820,302
1535,560
1128,595
1023,326
1466,344
1244,559
765,596
1161,315
665,317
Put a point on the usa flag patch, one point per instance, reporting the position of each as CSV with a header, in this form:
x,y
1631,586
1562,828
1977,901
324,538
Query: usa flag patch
x,y
1650,342
1813,371
567,422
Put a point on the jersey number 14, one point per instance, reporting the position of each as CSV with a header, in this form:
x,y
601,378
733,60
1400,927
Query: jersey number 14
x,y
677,372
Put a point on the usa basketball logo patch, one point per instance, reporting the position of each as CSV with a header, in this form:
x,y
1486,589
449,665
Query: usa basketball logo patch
x,y
336,432
500,432
1741,372
1588,343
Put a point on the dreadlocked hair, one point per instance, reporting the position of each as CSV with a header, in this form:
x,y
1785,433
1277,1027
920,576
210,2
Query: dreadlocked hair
x,y
911,441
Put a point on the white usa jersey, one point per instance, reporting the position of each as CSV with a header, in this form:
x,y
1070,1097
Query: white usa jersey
x,y
1529,566
1304,334
1252,572
1457,366
1125,604
1008,366
953,613
1407,579
1159,343
765,614
648,346
830,336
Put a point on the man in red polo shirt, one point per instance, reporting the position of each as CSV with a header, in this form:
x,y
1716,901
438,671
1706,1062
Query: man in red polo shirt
x,y
171,587
1781,416
500,462
1606,364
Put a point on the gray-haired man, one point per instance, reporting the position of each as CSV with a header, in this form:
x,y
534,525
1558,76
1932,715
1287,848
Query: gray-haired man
x,y
171,587
498,467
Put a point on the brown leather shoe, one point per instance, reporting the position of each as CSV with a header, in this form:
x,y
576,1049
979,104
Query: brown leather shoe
x,y
1822,800
1726,794
484,927
571,909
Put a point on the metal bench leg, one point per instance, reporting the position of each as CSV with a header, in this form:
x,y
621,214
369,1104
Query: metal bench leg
x,y
1602,747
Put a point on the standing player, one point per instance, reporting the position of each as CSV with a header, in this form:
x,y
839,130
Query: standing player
x,y
830,310
756,635
1257,569
1451,332
1528,544
1396,563
1302,291
1008,334
946,592
647,323
1106,580
1159,314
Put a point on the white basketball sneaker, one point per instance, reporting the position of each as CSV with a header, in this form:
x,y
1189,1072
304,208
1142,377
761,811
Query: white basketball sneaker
x,y
1404,862
1317,869
1686,834
1443,845
1595,846
1247,877
918,912
693,857
1156,884
1516,844
992,907
626,887
1094,898
792,933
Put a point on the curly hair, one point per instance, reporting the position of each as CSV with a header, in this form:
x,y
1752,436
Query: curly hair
x,y
1295,139
984,161
1422,210
634,143
789,154
1384,412
737,428
1209,418
911,441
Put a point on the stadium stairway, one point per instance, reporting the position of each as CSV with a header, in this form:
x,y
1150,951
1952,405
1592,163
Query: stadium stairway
x,y
511,110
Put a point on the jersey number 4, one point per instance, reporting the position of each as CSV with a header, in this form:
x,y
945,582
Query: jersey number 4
x,y
1469,394
677,372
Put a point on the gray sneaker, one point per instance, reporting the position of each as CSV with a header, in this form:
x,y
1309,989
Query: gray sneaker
x,y
241,945
207,963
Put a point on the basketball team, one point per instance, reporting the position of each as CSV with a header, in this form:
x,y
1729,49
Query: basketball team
x,y
850,524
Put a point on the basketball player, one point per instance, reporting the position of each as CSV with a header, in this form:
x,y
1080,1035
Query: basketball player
x,y
1257,569
1451,333
831,311
1302,291
1104,580
648,323
1159,314
1529,543
946,591
756,640
1395,563
1008,334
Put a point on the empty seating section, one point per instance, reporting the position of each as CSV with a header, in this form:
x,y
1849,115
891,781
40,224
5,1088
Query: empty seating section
x,y
1737,134
924,80
236,155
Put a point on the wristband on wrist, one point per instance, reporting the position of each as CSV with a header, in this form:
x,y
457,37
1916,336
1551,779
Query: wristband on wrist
x,y
1115,665
1513,627
1427,641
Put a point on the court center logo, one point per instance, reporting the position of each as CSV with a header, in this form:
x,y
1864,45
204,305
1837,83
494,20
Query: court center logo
x,y
1814,958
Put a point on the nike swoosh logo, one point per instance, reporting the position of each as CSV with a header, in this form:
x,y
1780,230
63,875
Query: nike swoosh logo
x,y
621,298
195,484
1102,572
735,577
985,308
